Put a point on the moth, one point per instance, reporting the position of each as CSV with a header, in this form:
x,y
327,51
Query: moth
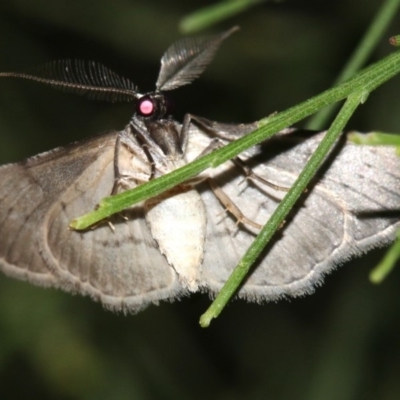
x,y
189,238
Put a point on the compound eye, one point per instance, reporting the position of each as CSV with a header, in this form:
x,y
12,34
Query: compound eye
x,y
145,107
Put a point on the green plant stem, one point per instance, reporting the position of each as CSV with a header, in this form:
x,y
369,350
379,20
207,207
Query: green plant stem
x,y
368,43
210,15
379,273
366,81
375,139
278,217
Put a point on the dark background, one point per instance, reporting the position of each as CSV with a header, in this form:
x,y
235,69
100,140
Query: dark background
x,y
340,343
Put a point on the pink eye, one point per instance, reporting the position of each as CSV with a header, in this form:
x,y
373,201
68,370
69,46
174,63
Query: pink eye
x,y
146,107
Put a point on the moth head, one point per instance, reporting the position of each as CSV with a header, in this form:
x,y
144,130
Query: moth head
x,y
154,105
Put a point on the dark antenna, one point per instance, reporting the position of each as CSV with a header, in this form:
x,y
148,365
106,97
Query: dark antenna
x,y
86,78
183,62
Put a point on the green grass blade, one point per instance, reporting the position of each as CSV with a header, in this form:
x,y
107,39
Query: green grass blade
x,y
211,15
364,50
365,82
278,217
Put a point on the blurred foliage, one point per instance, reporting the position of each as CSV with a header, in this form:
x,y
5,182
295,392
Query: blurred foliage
x,y
214,14
341,342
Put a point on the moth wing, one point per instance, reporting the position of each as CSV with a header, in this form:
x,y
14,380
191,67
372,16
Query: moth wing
x,y
351,209
123,268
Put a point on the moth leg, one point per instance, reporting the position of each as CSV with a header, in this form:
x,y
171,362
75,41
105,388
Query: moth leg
x,y
117,175
220,130
230,205
225,131
214,145
250,174
219,193
120,180
228,132
125,180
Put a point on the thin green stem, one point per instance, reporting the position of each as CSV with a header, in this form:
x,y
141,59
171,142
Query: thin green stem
x,y
375,139
364,50
379,273
365,82
278,217
210,15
